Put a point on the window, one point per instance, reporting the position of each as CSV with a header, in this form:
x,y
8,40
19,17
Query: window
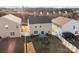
x,y
35,32
17,26
76,32
42,32
6,26
73,27
35,26
40,26
12,33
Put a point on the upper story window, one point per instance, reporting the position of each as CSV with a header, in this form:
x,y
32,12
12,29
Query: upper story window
x,y
40,26
17,26
73,27
6,26
35,26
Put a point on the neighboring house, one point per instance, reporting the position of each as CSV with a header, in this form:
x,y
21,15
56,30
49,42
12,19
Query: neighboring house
x,y
10,26
72,26
63,24
39,25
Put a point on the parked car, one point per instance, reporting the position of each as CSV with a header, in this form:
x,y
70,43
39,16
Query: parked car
x,y
68,35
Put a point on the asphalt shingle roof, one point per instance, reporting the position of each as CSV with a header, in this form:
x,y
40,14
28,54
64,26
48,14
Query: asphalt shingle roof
x,y
39,19
60,20
12,18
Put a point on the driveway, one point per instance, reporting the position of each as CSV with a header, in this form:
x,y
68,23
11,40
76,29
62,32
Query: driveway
x,y
12,46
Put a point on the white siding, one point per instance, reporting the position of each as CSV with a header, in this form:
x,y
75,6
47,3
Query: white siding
x,y
68,27
44,27
25,33
11,28
56,30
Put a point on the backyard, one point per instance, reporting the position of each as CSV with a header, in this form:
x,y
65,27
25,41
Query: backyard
x,y
37,45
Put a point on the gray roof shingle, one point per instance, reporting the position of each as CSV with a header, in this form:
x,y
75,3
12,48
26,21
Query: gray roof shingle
x,y
39,19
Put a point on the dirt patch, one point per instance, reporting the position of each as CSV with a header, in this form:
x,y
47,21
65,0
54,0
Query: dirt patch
x,y
51,45
39,45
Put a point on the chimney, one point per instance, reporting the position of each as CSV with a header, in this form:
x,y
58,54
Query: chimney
x,y
65,12
34,13
41,13
54,12
59,12
47,13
